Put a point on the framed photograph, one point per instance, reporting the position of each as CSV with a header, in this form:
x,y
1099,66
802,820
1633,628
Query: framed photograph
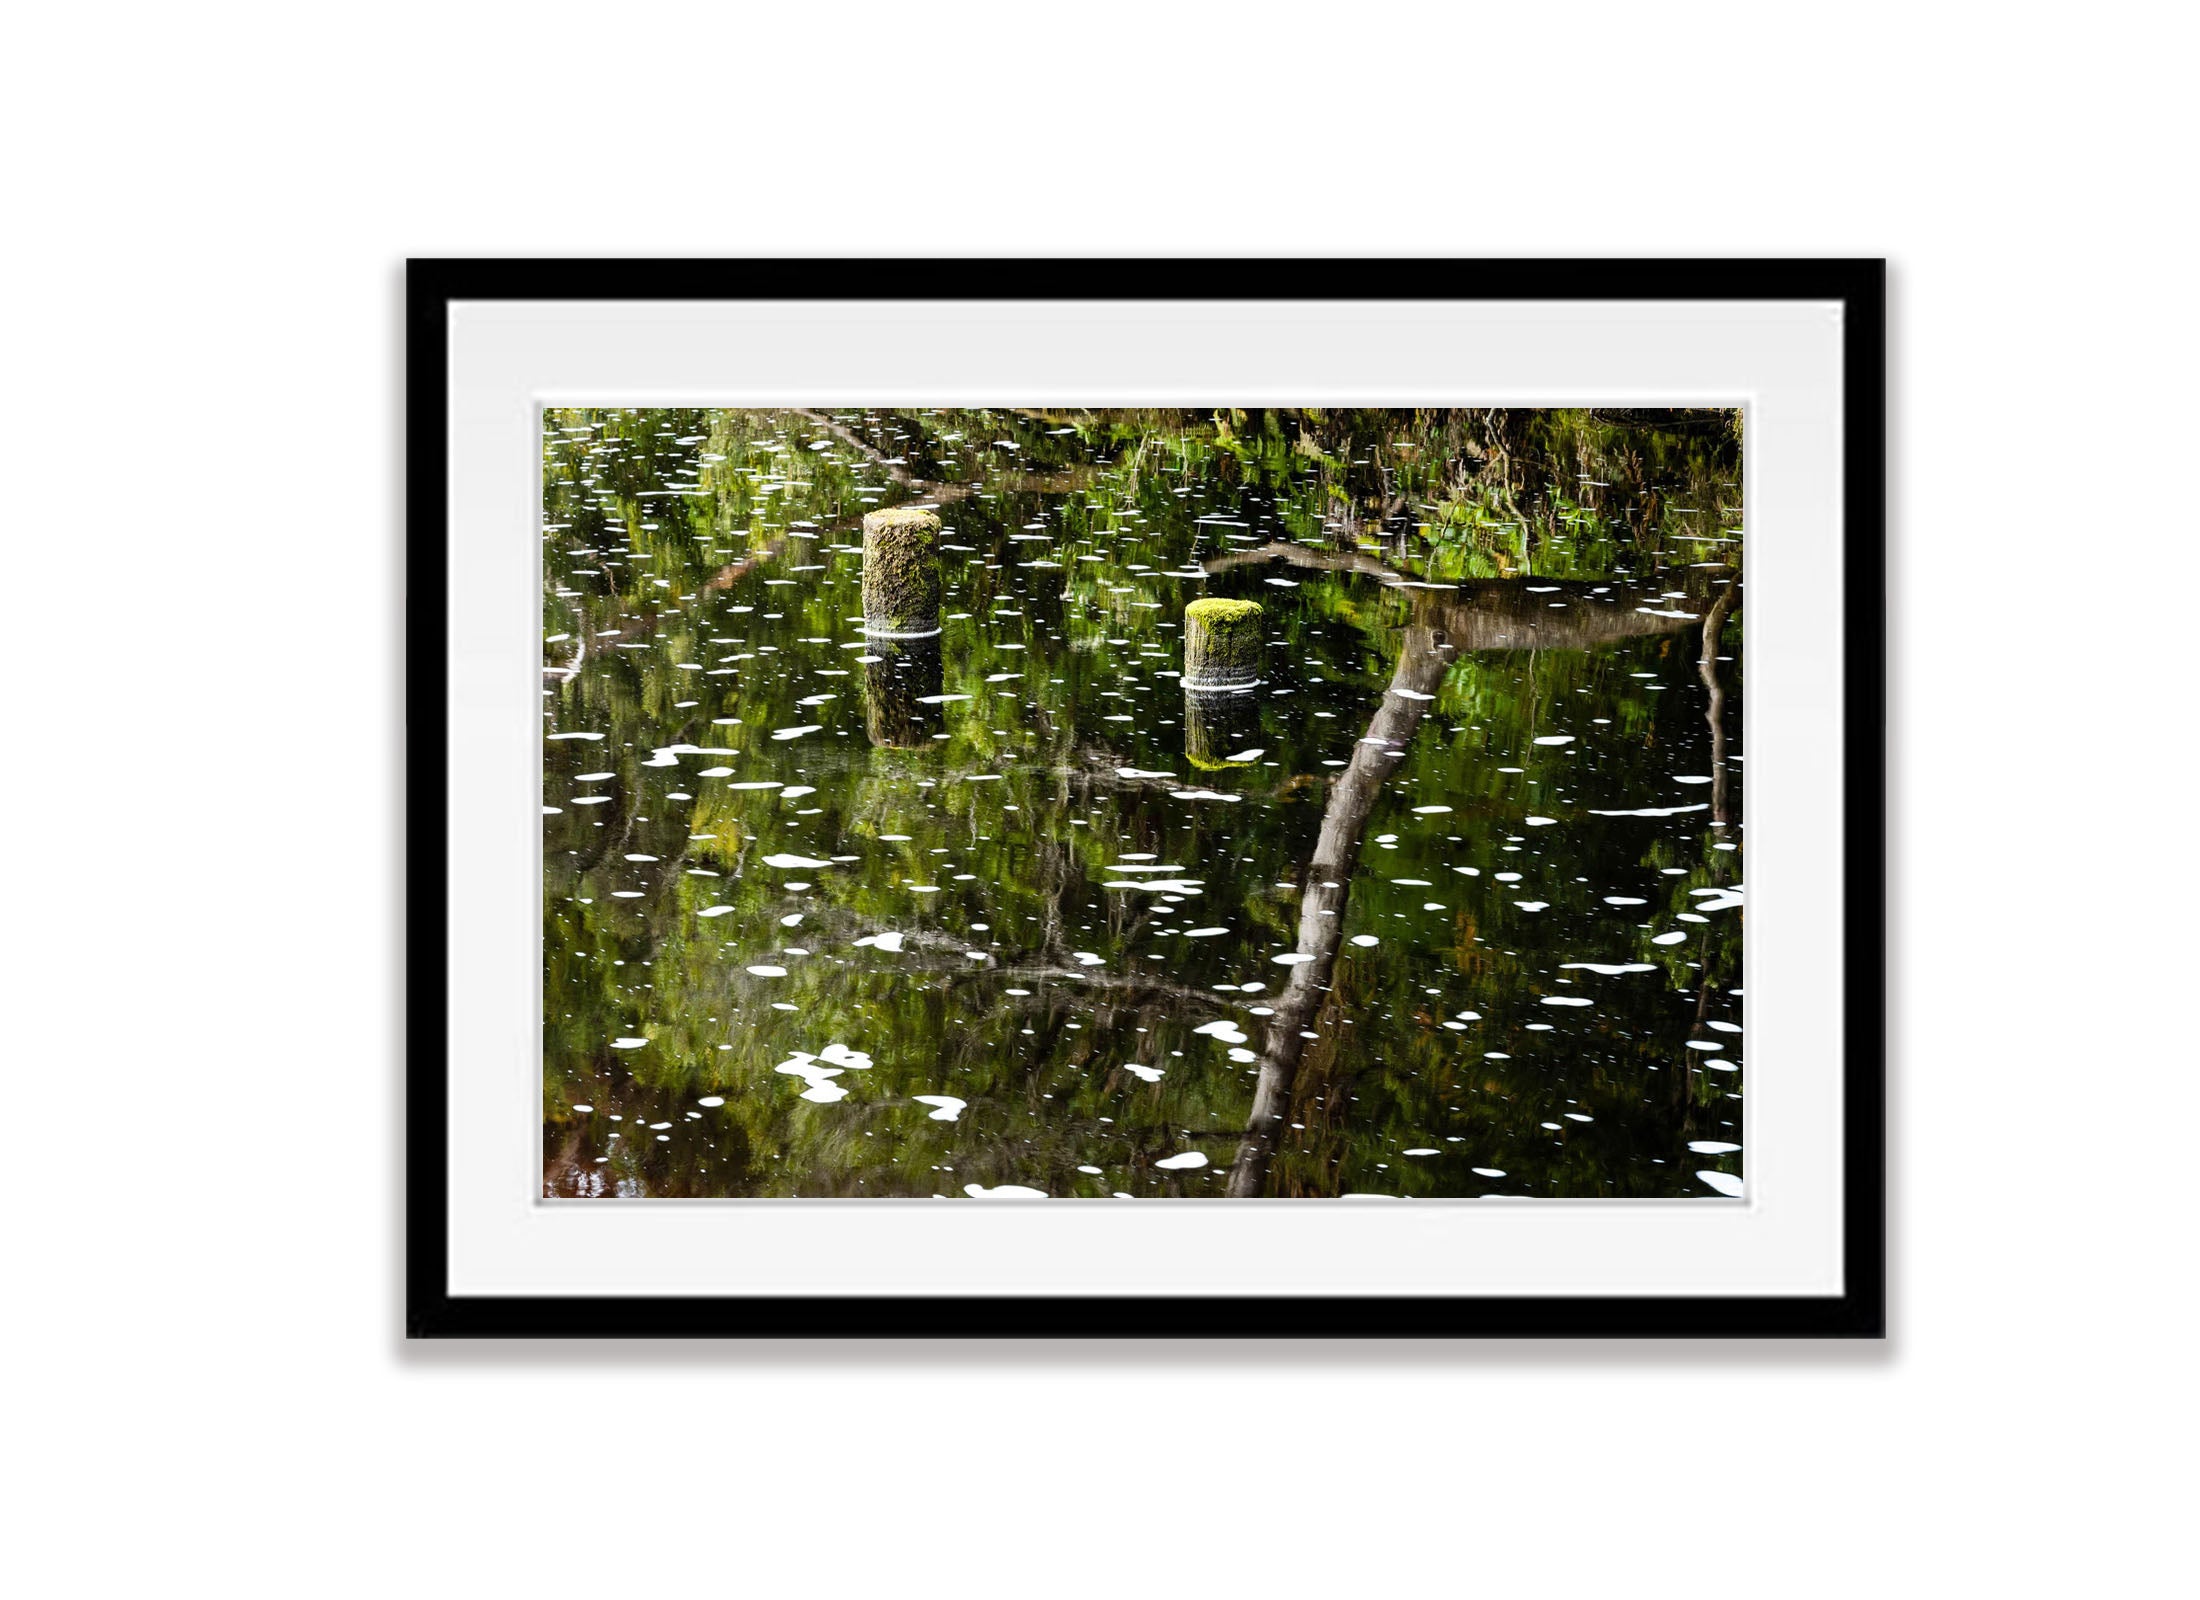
x,y
1145,798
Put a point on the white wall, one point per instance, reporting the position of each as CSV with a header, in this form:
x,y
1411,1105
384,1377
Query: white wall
x,y
205,212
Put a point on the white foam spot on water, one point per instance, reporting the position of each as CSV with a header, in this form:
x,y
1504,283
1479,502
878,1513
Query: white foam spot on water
x,y
1652,811
1139,1069
939,699
768,971
1725,1182
1487,1172
784,734
1411,694
1291,958
949,1107
1533,905
1366,941
1201,794
1567,1000
1228,1032
715,911
1543,822
1085,958
888,942
1611,969
1253,754
1702,1147
713,1101
784,860
1431,811
1189,1161
1139,772
628,1042
1423,1150
1669,938
1556,738
1006,1191
822,1089
1203,933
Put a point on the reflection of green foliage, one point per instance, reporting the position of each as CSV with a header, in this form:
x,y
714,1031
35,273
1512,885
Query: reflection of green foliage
x,y
660,524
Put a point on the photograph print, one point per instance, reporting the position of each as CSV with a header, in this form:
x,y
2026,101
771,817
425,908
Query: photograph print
x,y
1208,804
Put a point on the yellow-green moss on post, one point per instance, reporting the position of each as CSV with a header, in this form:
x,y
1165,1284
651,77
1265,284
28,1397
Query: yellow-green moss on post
x,y
1222,644
901,573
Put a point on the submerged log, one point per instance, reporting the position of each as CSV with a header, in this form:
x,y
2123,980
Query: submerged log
x,y
1502,613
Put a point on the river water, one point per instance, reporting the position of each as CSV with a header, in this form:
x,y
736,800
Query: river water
x,y
1449,905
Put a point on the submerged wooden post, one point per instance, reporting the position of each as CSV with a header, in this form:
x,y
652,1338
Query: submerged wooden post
x,y
902,681
1222,644
1221,731
901,573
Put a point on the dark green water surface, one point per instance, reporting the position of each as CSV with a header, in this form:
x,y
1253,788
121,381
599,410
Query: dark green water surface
x,y
1450,905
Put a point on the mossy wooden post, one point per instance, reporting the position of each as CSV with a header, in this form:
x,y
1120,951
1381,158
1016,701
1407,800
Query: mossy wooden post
x,y
1222,645
901,573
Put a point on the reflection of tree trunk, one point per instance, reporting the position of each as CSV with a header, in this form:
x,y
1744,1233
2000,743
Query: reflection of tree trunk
x,y
1422,659
1498,613
1708,667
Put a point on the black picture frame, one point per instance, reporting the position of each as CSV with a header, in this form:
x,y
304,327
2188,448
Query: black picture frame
x,y
1859,1312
